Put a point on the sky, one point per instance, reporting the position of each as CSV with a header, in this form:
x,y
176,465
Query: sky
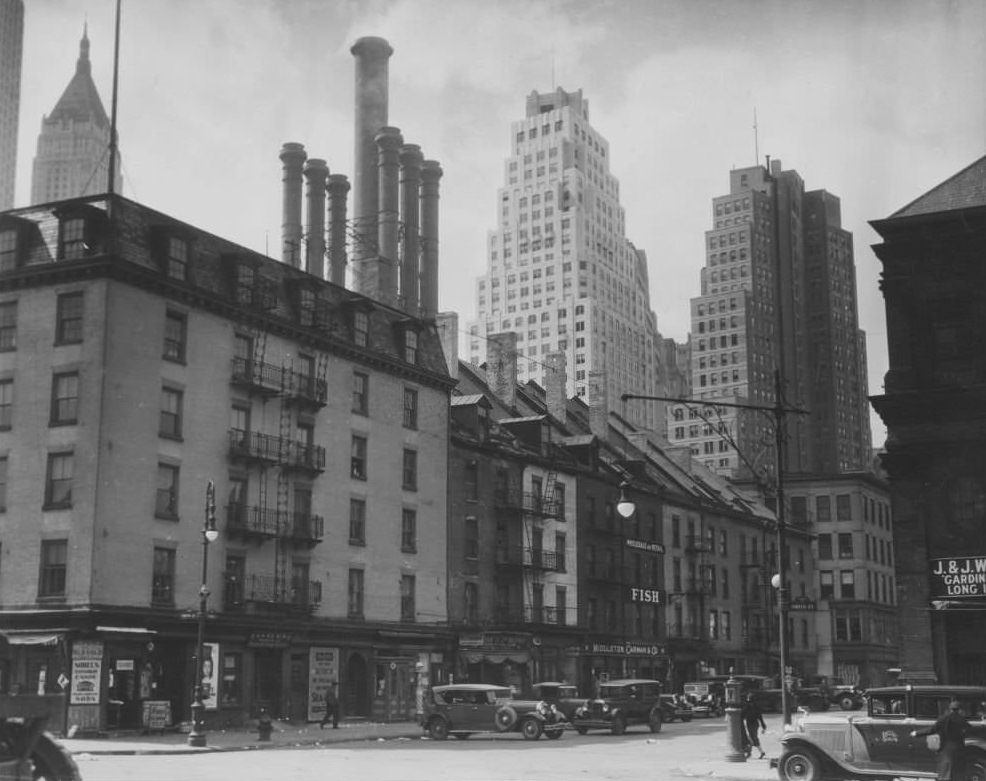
x,y
875,101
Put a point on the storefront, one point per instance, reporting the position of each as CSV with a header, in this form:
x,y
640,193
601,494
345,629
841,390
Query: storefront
x,y
603,662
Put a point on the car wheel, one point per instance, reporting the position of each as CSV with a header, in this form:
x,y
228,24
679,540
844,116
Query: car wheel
x,y
582,730
553,734
462,735
51,761
438,729
975,769
799,764
847,703
505,717
656,720
531,729
619,725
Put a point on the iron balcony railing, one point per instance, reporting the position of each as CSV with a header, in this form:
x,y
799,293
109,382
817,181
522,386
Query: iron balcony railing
x,y
278,380
697,544
268,591
530,614
536,558
527,501
250,520
255,446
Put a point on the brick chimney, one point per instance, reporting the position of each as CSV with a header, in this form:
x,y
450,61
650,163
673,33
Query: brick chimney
x,y
316,172
501,366
555,385
292,160
448,332
598,404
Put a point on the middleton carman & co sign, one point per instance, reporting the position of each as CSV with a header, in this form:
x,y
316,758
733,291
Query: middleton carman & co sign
x,y
959,576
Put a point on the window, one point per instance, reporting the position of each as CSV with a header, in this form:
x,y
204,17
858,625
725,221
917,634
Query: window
x,y
355,594
827,584
471,473
163,577
407,598
825,546
799,509
472,602
560,544
823,508
73,238
847,584
725,625
358,457
174,337
54,558
361,328
842,508
410,408
561,605
166,503
171,411
231,681
675,531
68,326
409,481
64,399
560,501
845,545
58,486
8,249
8,325
409,530
3,484
6,404
177,257
357,522
410,345
361,393
471,538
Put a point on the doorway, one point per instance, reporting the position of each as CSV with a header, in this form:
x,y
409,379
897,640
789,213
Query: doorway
x,y
357,700
267,682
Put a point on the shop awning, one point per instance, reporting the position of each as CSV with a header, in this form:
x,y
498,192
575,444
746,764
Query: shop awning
x,y
517,657
31,638
127,630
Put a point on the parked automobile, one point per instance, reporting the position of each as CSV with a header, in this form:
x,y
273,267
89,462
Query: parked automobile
x,y
878,744
466,709
676,708
706,698
622,703
847,697
564,696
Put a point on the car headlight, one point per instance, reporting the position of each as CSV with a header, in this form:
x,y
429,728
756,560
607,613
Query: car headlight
x,y
605,708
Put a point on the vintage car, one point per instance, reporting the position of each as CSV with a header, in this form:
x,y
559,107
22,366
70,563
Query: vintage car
x,y
564,696
620,704
466,709
676,708
847,697
879,745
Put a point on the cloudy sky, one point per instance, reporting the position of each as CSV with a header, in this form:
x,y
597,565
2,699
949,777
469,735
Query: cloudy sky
x,y
875,101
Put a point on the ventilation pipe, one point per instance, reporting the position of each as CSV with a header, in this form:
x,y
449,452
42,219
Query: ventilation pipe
x,y
316,172
431,172
338,192
372,55
411,160
292,158
389,142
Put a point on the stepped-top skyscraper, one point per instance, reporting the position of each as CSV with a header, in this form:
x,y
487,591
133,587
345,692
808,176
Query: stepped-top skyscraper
x,y
74,144
561,273
764,315
11,50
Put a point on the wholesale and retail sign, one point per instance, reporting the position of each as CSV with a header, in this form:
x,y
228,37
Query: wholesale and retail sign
x,y
87,669
958,577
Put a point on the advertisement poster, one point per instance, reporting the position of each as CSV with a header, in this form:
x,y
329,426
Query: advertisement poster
x,y
87,668
323,675
210,675
959,576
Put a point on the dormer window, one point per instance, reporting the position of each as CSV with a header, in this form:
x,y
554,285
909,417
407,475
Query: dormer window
x,y
177,258
72,242
361,328
410,345
8,249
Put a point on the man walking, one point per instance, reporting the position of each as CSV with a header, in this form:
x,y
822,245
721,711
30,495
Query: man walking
x,y
752,722
951,730
331,708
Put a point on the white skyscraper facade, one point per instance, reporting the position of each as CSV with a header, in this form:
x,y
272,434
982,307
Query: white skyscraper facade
x,y
561,273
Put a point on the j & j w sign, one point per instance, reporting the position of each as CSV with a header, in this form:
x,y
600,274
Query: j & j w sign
x,y
959,576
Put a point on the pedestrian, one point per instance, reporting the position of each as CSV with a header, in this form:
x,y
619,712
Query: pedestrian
x,y
753,722
951,729
331,708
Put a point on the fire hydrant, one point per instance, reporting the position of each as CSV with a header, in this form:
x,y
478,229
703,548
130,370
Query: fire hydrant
x,y
264,725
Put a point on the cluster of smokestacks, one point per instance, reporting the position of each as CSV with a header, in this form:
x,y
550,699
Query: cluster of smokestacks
x,y
393,186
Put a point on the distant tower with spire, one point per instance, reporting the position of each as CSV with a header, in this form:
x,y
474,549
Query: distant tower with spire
x,y
74,144
11,50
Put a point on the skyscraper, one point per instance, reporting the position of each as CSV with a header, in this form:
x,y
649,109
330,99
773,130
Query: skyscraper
x,y
765,315
11,49
73,147
561,273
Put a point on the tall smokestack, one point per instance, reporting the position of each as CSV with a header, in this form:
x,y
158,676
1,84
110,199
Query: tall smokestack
x,y
389,141
411,160
292,158
372,55
316,172
338,191
431,172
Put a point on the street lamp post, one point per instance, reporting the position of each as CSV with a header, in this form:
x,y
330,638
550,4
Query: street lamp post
x,y
625,507
209,534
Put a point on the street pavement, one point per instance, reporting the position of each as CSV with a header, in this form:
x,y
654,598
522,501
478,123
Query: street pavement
x,y
699,756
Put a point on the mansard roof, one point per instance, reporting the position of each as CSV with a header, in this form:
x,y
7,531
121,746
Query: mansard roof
x,y
965,189
80,101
